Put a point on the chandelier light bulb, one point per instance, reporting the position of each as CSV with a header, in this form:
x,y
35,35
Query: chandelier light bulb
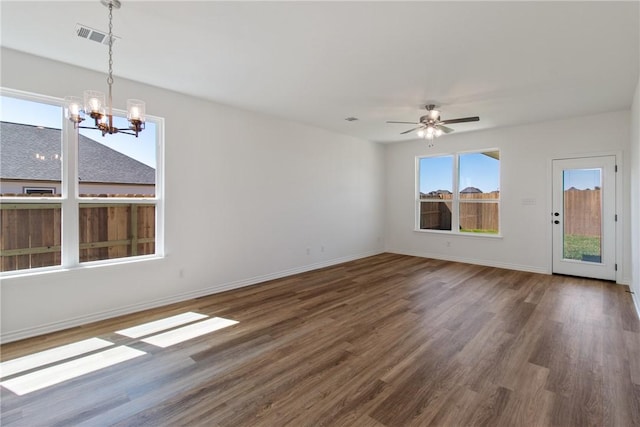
x,y
94,102
421,133
73,109
135,110
439,132
430,130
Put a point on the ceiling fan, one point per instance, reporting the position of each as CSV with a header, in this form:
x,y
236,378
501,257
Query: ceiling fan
x,y
430,125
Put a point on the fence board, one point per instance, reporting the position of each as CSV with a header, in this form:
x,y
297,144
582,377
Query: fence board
x,y
583,212
34,233
31,234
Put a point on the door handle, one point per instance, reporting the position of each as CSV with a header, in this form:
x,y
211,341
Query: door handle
x,y
556,214
556,222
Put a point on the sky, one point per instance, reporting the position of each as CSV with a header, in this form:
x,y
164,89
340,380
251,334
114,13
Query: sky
x,y
483,172
582,179
476,170
142,148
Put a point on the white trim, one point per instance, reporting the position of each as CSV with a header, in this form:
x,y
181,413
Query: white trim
x,y
70,201
133,308
636,302
474,261
455,196
619,207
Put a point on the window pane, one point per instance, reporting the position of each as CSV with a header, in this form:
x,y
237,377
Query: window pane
x,y
435,216
30,147
583,214
109,231
436,177
479,217
479,176
117,165
30,236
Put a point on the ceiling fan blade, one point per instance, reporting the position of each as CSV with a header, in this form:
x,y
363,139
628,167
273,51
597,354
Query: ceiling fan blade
x,y
405,123
445,129
410,130
462,120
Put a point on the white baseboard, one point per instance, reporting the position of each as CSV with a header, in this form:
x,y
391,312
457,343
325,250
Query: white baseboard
x,y
634,296
636,301
474,261
133,308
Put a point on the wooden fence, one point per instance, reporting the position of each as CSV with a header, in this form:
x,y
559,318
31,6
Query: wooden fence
x,y
31,233
474,216
582,214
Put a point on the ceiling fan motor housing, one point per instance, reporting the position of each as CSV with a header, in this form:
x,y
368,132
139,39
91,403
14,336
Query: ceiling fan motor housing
x,y
427,119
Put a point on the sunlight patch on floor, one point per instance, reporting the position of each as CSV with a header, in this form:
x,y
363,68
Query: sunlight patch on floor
x,y
52,355
50,375
188,332
161,325
65,371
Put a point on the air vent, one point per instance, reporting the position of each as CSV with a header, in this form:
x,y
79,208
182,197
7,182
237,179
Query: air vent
x,y
92,34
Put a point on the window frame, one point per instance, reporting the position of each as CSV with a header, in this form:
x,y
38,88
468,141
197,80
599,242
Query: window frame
x,y
456,200
71,202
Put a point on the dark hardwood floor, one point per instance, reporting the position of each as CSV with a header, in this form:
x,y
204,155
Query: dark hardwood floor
x,y
389,340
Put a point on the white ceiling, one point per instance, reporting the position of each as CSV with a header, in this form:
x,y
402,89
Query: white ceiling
x,y
319,62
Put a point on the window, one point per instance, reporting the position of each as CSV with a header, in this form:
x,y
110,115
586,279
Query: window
x,y
459,193
104,192
39,190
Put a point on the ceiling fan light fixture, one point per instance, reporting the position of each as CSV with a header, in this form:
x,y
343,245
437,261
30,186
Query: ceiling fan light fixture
x,y
430,126
434,114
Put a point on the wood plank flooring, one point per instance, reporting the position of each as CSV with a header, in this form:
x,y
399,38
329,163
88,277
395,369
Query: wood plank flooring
x,y
389,340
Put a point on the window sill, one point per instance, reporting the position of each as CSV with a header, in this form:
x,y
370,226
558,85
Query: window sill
x,y
458,234
84,266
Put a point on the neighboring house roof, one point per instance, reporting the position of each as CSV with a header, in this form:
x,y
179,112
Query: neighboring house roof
x,y
20,143
471,190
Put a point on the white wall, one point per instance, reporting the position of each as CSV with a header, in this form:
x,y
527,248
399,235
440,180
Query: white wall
x,y
635,196
269,189
526,153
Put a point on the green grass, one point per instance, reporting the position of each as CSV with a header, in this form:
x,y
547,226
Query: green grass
x,y
575,246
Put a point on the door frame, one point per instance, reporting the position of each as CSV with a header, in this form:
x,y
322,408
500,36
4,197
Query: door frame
x,y
618,207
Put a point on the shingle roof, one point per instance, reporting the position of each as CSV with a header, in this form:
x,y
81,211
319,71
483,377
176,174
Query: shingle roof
x,y
471,190
20,143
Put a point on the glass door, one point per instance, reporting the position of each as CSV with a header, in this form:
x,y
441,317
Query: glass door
x,y
583,217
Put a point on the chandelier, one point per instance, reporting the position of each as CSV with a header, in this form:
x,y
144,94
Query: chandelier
x,y
94,104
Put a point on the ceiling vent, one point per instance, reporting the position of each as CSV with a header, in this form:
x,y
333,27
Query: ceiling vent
x,y
89,33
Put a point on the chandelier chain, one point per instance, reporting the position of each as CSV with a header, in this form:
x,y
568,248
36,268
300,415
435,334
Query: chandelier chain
x,y
110,78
